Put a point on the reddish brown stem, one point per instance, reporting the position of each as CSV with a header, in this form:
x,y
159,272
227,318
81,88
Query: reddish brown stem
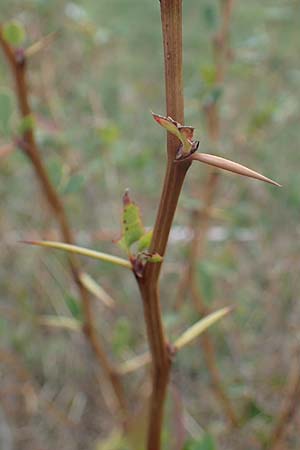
x,y
17,62
171,17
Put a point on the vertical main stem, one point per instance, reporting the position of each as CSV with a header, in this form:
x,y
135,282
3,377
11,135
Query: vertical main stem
x,y
171,17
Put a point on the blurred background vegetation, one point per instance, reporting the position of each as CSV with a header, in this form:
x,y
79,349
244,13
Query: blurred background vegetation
x,y
92,91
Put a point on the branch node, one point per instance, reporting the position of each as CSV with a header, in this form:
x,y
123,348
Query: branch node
x,y
20,57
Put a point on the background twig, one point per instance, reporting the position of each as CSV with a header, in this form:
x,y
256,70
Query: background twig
x,y
289,405
18,64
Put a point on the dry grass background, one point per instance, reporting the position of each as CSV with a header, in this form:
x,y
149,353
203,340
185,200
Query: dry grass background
x,y
92,90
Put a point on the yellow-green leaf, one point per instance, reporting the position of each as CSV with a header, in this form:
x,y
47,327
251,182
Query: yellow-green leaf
x,y
132,227
14,33
183,133
27,124
155,258
145,241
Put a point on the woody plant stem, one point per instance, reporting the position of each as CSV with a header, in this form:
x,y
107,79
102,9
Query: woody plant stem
x,y
171,17
18,64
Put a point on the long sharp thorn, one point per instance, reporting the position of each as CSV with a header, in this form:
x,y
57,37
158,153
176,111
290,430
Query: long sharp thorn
x,y
231,166
82,251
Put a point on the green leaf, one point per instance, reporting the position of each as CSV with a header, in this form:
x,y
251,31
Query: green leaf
x,y
132,227
6,110
252,410
183,133
155,258
109,134
207,442
14,33
74,184
208,74
74,308
145,241
27,124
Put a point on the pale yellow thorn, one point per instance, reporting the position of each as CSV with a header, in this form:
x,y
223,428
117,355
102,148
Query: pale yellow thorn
x,y
82,251
94,288
189,335
231,166
135,363
67,323
199,327
40,45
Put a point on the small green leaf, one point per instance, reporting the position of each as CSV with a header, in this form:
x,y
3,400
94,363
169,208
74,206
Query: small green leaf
x,y
207,442
74,184
6,110
252,410
168,123
182,132
74,308
208,74
14,33
27,124
155,258
132,227
109,134
145,241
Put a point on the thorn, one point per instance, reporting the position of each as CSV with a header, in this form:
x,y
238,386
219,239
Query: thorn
x,y
231,166
23,241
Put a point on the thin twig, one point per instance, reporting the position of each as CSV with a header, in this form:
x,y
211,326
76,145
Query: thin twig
x,y
289,406
17,62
